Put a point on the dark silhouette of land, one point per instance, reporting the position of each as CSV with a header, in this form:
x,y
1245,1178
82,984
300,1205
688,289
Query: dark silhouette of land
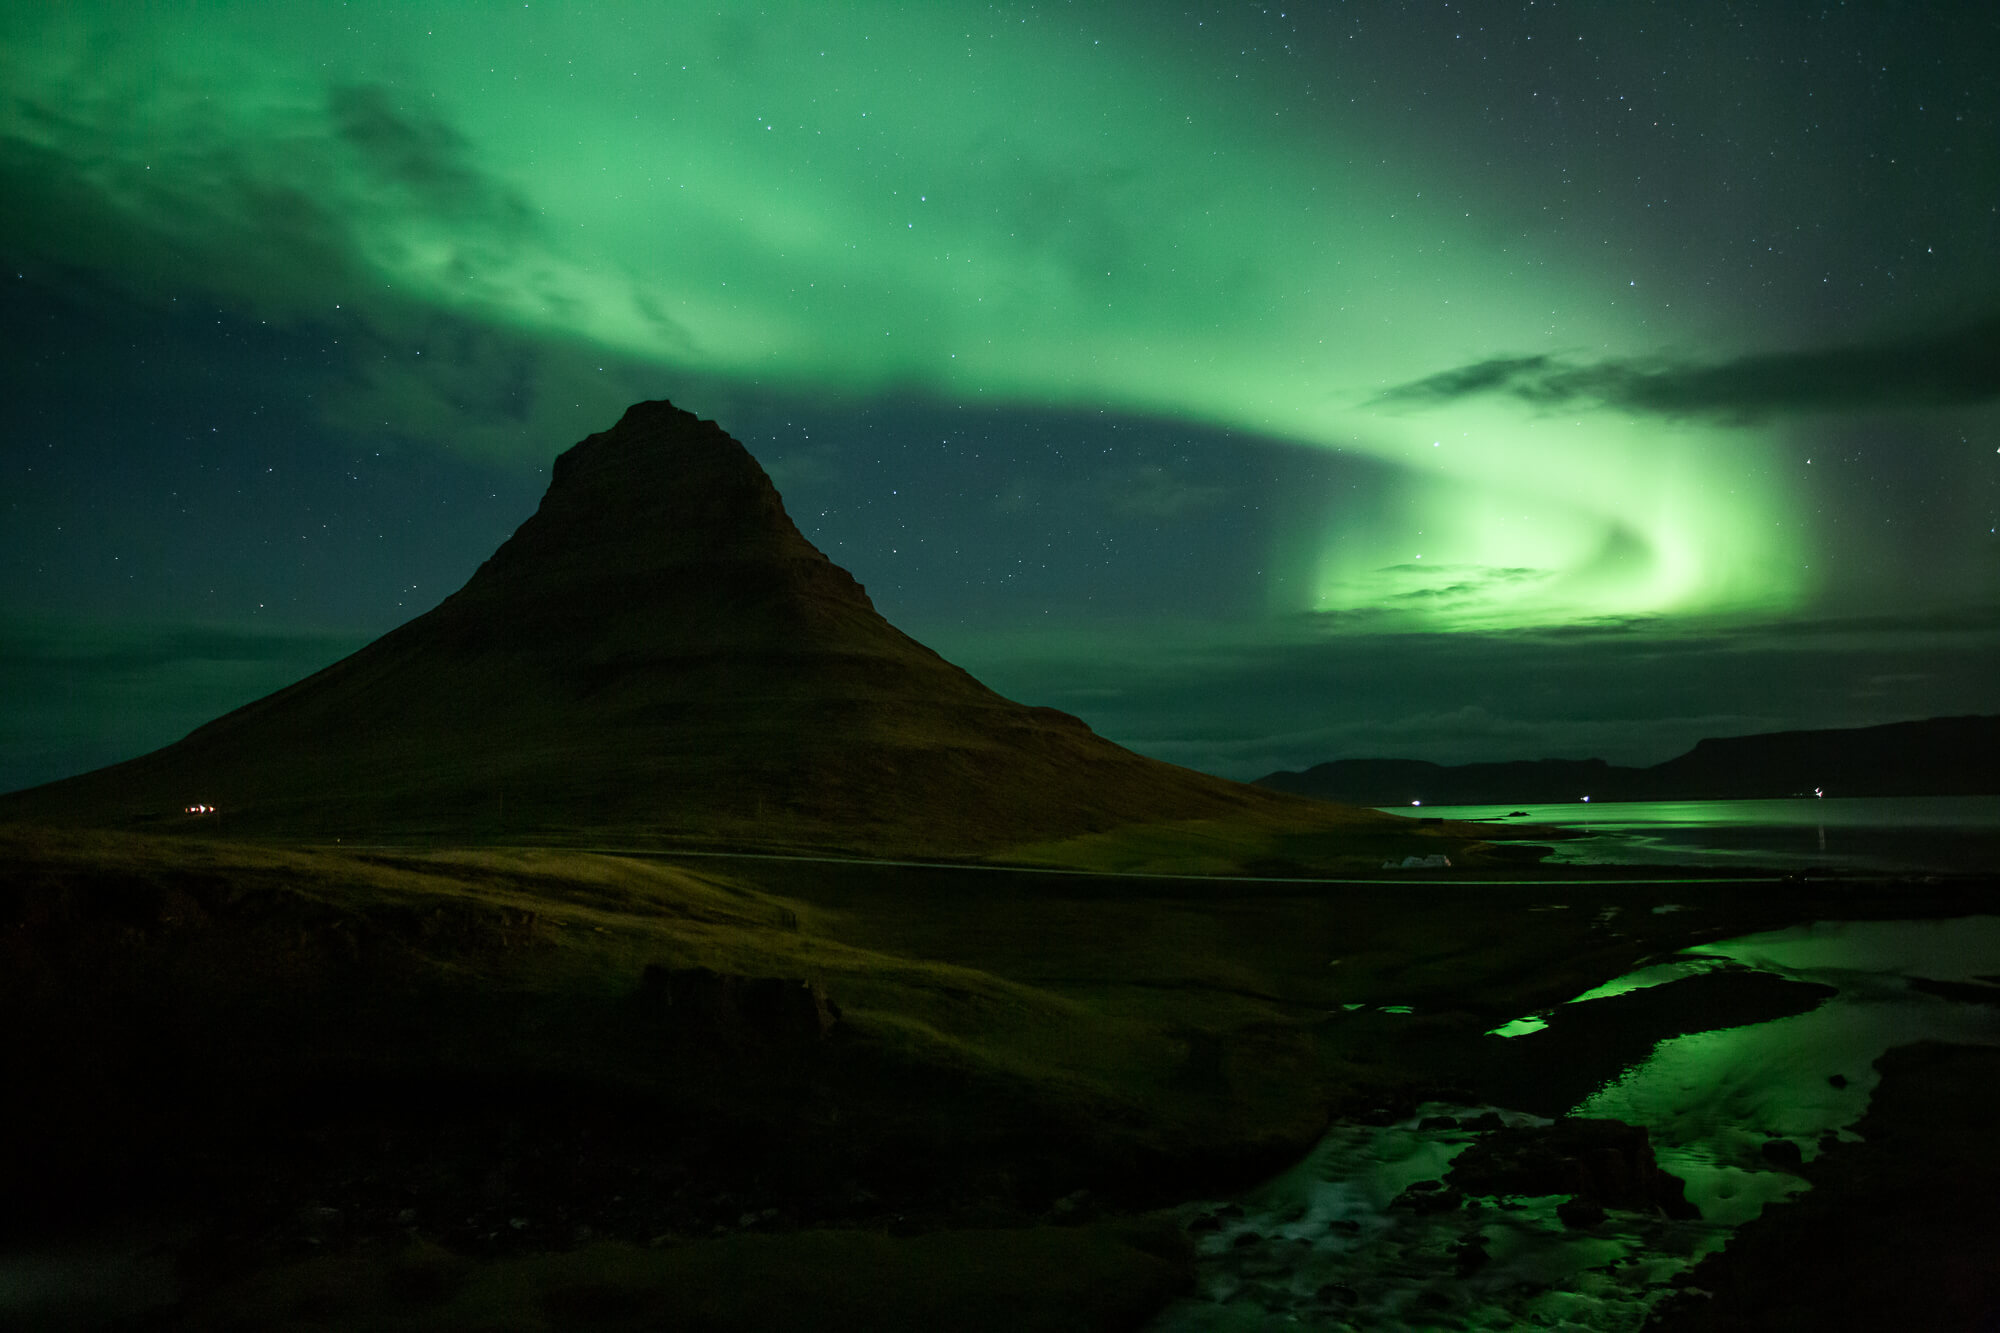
x,y
1944,756
386,1040
658,654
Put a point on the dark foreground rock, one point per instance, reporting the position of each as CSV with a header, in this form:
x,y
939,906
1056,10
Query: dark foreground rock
x,y
1600,1163
1898,1231
1024,1280
775,1014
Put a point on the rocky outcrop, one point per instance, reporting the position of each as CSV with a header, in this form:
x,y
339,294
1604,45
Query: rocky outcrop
x,y
1601,1164
767,1014
1898,1230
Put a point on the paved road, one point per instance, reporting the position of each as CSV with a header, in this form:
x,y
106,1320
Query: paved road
x,y
1411,877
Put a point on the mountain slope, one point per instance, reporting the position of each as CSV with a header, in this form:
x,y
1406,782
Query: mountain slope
x,y
657,651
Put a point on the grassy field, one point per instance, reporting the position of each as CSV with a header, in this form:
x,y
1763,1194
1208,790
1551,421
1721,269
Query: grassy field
x,y
331,1056
1019,1280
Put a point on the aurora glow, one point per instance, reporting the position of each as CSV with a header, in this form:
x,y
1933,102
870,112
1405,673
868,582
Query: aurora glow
x,y
1240,220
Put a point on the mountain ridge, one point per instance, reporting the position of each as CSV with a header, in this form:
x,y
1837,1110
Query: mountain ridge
x,y
1948,756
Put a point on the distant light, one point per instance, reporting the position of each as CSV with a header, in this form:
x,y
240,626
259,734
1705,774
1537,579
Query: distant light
x,y
198,809
1416,802
1586,798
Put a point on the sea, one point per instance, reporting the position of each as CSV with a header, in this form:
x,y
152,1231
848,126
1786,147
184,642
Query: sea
x,y
1858,834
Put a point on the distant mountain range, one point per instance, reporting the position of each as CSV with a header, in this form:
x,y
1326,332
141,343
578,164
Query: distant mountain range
x,y
656,653
1944,756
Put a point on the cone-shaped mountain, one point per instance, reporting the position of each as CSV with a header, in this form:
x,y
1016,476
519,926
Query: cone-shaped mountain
x,y
657,651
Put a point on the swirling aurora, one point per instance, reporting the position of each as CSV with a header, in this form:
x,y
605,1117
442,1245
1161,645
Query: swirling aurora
x,y
1306,232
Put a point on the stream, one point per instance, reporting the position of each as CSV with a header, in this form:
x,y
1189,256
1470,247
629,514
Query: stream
x,y
1320,1247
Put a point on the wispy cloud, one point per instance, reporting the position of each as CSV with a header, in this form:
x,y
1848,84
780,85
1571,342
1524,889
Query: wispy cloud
x,y
1945,368
294,219
1384,599
419,153
1156,491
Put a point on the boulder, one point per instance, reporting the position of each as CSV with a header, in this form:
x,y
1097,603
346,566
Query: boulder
x,y
1428,1196
1782,1153
724,1008
1603,1162
1580,1213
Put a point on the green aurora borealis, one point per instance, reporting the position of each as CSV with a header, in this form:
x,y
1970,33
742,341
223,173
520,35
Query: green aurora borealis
x,y
1338,231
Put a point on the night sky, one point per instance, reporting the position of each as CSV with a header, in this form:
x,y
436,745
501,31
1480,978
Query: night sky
x,y
1265,385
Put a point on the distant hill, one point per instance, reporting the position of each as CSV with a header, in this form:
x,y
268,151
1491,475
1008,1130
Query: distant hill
x,y
1945,756
656,652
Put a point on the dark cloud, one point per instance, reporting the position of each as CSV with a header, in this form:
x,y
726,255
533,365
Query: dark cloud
x,y
1385,597
215,222
421,153
1949,369
77,695
1927,624
34,645
275,215
1627,691
284,230
1492,376
1156,490
1599,627
81,695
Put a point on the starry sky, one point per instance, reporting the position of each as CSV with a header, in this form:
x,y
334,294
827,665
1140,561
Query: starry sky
x,y
1265,385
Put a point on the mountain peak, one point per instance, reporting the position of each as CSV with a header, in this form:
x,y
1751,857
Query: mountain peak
x,y
663,529
671,487
656,652
653,438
